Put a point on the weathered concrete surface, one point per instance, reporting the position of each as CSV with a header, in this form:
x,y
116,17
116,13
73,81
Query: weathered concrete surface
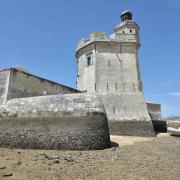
x,y
15,83
74,121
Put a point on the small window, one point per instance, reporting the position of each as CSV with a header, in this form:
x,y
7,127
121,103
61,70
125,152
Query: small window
x,y
134,87
130,30
124,87
89,60
116,86
123,32
114,110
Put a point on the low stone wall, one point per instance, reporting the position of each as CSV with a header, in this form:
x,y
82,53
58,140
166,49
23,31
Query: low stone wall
x,y
131,128
173,123
74,121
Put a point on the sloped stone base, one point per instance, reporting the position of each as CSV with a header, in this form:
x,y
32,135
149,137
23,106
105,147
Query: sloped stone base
x,y
131,128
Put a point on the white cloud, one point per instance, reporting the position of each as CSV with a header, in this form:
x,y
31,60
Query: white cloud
x,y
168,82
168,94
174,94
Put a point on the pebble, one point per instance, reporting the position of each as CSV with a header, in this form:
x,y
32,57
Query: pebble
x,y
113,149
49,164
56,161
2,167
19,163
68,159
55,157
7,174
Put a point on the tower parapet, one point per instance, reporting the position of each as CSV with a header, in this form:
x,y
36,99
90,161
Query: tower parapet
x,y
97,36
127,31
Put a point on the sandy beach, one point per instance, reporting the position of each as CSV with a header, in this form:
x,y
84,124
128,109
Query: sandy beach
x,y
129,158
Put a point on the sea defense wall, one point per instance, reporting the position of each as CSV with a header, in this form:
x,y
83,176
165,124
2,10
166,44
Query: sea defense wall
x,y
72,121
173,123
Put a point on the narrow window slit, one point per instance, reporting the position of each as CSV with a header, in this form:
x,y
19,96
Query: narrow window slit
x,y
114,110
133,87
124,87
116,87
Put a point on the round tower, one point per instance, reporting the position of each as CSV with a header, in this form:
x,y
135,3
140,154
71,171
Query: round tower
x,y
109,67
110,64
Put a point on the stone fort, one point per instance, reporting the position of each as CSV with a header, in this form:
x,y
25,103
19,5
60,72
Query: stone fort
x,y
109,99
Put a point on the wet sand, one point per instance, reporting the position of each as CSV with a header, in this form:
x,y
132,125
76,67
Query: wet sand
x,y
135,158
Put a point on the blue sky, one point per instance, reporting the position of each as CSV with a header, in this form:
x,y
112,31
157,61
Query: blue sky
x,y
41,36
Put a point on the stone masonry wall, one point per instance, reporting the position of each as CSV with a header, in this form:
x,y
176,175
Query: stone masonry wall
x,y
126,106
113,69
131,128
18,84
74,121
4,83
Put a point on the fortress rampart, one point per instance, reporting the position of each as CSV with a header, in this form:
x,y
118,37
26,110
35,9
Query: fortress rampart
x,y
41,114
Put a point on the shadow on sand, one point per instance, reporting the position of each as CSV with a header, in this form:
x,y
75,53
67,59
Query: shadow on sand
x,y
114,144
